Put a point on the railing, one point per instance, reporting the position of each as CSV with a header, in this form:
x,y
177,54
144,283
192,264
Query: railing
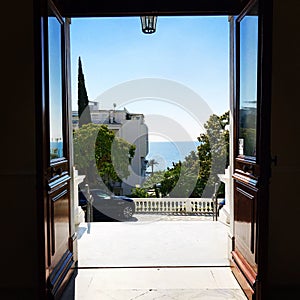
x,y
175,205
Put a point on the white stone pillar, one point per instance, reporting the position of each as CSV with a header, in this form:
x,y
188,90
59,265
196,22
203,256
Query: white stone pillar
x,y
226,209
78,211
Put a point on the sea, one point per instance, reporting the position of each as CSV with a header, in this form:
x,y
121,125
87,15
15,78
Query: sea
x,y
165,153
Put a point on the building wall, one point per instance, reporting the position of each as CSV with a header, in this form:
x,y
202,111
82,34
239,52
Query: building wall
x,y
130,127
135,132
284,207
19,241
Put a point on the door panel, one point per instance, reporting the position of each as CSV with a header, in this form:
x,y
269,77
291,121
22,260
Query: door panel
x,y
246,173
245,221
59,252
59,220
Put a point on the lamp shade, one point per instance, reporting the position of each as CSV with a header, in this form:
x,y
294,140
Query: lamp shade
x,y
148,24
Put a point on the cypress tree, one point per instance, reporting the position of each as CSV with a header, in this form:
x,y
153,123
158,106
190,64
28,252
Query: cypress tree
x,y
83,101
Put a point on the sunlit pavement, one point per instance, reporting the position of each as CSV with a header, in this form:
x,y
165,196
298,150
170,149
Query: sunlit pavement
x,y
157,283
150,241
171,217
155,257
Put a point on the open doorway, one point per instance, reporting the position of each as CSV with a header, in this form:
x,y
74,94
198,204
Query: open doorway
x,y
167,94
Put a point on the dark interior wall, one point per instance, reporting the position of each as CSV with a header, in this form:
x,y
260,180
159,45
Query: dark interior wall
x,y
19,251
19,246
96,8
284,212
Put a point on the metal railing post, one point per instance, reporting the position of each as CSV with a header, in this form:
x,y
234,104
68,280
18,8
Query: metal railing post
x,y
89,208
215,202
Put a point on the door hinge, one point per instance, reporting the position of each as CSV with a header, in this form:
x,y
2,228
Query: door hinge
x,y
274,160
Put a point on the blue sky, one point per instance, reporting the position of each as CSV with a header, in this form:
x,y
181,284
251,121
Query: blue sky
x,y
192,51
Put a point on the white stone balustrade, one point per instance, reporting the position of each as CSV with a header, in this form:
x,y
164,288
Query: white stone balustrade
x,y
78,212
174,205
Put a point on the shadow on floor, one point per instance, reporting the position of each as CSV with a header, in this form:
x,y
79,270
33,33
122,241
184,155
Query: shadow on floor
x,y
69,292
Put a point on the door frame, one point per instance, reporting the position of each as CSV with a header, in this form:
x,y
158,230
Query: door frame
x,y
54,175
136,8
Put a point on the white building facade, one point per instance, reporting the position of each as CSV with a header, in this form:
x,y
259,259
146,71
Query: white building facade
x,y
132,128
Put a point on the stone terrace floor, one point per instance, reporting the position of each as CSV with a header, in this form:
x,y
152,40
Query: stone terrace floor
x,y
155,257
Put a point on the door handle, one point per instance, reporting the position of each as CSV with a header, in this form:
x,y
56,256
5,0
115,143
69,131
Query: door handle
x,y
56,172
248,168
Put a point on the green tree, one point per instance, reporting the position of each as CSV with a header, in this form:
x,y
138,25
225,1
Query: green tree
x,y
151,163
197,174
139,192
213,153
83,101
171,178
101,156
180,180
155,179
152,185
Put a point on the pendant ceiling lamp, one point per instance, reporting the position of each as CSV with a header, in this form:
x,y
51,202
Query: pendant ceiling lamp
x,y
148,24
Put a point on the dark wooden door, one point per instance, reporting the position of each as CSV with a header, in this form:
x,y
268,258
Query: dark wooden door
x,y
246,176
59,253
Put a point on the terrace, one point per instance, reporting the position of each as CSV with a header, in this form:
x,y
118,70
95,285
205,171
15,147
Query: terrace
x,y
171,248
172,256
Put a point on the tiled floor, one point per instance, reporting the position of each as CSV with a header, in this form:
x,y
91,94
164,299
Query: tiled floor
x,y
153,242
155,258
157,283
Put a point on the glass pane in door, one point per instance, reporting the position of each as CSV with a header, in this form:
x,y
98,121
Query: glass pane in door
x,y
55,88
248,85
